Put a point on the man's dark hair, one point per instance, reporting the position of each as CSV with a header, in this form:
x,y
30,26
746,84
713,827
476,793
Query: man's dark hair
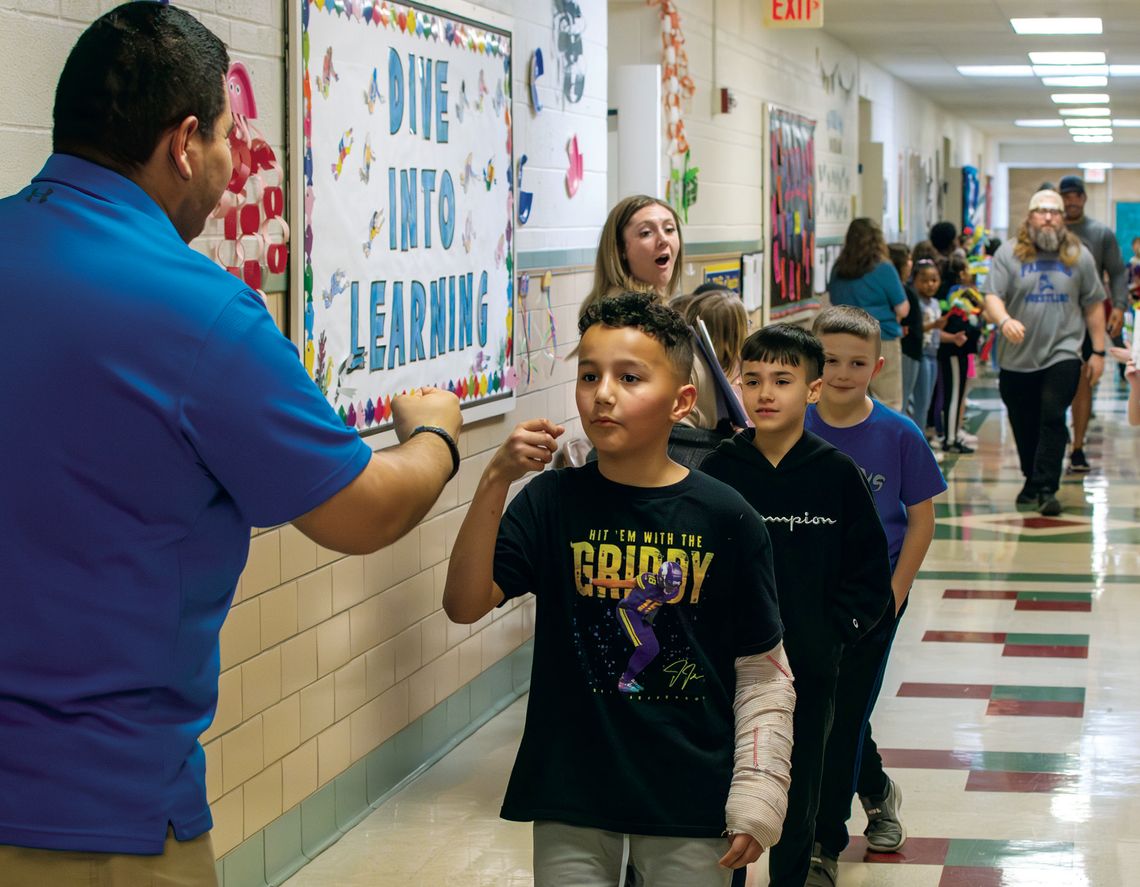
x,y
639,310
134,73
787,344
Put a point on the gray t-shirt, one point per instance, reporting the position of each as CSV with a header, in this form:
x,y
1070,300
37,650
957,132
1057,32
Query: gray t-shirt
x,y
1049,298
1101,242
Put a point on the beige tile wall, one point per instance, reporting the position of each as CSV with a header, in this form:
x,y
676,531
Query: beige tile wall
x,y
324,657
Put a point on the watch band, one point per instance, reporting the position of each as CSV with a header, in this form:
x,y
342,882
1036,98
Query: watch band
x,y
1097,353
447,439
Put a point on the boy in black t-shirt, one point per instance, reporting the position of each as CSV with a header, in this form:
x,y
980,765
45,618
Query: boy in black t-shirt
x,y
696,744
831,564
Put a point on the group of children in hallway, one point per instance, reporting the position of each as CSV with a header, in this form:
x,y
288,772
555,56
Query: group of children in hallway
x,y
676,607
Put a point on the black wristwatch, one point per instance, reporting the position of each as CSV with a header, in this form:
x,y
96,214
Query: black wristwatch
x,y
447,439
1097,353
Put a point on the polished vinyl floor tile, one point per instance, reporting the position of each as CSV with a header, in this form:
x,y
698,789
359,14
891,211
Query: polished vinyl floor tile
x,y
1009,712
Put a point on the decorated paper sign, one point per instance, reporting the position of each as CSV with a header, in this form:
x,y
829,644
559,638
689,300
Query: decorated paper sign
x,y
408,207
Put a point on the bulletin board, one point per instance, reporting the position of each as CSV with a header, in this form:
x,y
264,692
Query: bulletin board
x,y
1127,226
791,214
402,118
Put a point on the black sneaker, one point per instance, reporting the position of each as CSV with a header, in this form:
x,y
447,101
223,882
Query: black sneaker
x,y
1078,464
1048,505
957,447
1027,496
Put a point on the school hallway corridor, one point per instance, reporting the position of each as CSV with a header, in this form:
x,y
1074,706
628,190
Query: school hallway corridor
x,y
1009,713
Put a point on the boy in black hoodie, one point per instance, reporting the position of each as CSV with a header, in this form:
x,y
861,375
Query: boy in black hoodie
x,y
833,576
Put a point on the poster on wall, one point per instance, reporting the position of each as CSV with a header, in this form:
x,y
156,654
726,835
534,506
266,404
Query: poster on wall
x,y
406,197
725,274
791,214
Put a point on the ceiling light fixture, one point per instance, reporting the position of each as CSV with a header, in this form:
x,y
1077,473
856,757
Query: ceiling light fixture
x,y
1046,121
1058,25
1077,82
1095,164
1091,131
1124,70
1067,58
995,70
1070,70
1094,140
1077,98
1125,123
1087,112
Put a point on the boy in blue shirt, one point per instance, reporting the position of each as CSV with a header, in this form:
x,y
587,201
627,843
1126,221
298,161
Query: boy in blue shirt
x,y
904,477
657,755
812,499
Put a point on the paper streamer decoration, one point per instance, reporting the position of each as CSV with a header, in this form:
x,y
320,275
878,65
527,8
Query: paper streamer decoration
x,y
255,236
677,83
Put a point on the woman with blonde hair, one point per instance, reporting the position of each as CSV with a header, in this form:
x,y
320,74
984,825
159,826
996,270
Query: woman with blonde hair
x,y
864,277
639,250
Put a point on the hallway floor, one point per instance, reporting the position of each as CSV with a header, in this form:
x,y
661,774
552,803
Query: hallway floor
x,y
1009,714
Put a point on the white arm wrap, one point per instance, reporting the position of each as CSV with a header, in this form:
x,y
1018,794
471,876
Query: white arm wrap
x,y
765,699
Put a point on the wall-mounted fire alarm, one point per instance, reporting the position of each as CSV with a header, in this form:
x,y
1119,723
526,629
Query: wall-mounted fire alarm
x,y
727,100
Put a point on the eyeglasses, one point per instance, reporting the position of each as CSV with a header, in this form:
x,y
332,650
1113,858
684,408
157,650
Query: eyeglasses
x,y
1049,212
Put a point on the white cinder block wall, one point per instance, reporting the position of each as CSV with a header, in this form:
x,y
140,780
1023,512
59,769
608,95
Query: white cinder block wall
x,y
326,657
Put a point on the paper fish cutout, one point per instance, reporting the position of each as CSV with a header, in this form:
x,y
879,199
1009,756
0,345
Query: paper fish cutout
x,y
526,198
328,74
489,173
342,152
500,250
372,96
338,283
366,168
536,70
373,230
574,173
468,174
482,92
463,102
468,234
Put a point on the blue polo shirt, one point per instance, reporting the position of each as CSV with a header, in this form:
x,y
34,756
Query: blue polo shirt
x,y
152,415
876,292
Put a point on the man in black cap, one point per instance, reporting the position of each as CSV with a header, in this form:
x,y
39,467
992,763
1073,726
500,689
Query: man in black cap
x,y
1110,265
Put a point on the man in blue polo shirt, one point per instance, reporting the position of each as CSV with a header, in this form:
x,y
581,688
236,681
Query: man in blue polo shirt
x,y
158,416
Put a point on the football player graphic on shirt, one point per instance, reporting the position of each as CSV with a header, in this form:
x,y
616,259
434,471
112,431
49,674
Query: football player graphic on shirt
x,y
636,612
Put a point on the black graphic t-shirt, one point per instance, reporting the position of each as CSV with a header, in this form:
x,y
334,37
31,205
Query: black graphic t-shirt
x,y
645,598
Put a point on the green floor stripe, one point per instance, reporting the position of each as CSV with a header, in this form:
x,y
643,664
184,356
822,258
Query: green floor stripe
x,y
1019,855
1026,762
1056,596
1049,640
1025,693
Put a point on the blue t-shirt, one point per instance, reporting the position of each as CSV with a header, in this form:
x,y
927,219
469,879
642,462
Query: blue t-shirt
x,y
896,460
153,413
876,292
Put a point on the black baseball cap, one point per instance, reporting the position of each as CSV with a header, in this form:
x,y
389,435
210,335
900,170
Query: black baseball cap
x,y
1071,183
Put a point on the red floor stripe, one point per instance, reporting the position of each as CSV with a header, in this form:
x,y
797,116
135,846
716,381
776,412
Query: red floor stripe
x,y
1005,781
1035,708
946,691
971,876
916,851
966,637
1045,651
926,758
1055,606
978,594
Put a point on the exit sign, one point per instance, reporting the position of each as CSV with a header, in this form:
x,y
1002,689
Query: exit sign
x,y
793,13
